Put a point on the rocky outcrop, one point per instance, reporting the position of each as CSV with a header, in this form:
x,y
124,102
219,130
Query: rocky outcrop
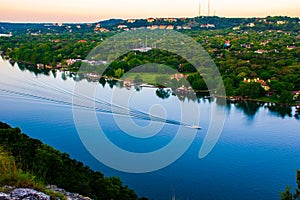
x,y
68,195
31,194
4,196
24,194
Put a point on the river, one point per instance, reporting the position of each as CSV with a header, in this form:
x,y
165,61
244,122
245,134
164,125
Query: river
x,y
256,156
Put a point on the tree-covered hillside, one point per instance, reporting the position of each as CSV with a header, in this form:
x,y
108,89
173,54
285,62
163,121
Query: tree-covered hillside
x,y
54,167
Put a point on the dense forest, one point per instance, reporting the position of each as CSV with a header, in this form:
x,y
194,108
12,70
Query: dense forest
x,y
54,167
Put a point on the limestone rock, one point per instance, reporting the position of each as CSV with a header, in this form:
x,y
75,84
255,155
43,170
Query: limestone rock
x,y
28,194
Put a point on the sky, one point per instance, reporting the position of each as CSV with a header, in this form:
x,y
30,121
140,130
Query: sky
x,y
96,10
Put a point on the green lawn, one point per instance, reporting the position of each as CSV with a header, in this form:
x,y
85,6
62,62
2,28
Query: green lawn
x,y
146,77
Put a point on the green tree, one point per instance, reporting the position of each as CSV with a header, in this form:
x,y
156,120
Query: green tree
x,y
286,97
252,90
119,72
287,194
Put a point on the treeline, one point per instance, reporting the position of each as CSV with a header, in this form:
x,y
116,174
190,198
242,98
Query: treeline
x,y
55,167
49,49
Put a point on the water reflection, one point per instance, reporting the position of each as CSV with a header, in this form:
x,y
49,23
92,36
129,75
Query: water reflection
x,y
281,110
250,108
163,93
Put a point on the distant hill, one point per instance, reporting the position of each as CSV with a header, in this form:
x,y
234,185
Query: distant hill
x,y
111,22
202,22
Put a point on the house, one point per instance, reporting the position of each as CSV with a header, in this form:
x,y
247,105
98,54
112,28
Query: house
x,y
227,44
291,47
257,80
260,51
143,49
153,27
250,24
6,35
131,20
170,27
179,76
208,26
187,27
150,20
72,61
182,89
128,82
264,43
247,46
162,27
296,95
103,30
40,66
170,19
81,41
34,34
236,28
58,65
121,26
93,76
281,22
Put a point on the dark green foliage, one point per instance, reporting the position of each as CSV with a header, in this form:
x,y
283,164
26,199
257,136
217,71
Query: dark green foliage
x,y
55,167
287,194
251,90
286,97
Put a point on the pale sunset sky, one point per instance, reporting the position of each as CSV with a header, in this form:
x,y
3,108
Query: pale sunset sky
x,y
96,10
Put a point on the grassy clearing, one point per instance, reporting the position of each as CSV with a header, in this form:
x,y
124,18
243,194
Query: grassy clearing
x,y
146,77
11,175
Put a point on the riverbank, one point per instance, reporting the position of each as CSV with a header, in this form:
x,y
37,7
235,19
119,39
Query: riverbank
x,y
267,100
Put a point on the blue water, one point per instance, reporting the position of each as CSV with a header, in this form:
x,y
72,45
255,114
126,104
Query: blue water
x,y
256,156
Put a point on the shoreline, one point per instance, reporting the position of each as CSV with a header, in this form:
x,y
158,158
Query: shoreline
x,y
232,99
236,99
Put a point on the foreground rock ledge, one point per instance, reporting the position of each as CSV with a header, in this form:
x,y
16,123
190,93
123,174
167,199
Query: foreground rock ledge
x,y
31,194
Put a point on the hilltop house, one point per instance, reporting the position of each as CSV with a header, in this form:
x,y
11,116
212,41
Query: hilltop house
x,y
149,20
131,20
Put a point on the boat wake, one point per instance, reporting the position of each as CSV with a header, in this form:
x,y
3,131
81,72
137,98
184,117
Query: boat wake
x,y
39,91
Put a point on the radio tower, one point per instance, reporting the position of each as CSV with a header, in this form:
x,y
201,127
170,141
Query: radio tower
x,y
199,11
208,8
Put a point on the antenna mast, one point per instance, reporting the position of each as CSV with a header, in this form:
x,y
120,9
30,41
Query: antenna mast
x,y
208,8
199,11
